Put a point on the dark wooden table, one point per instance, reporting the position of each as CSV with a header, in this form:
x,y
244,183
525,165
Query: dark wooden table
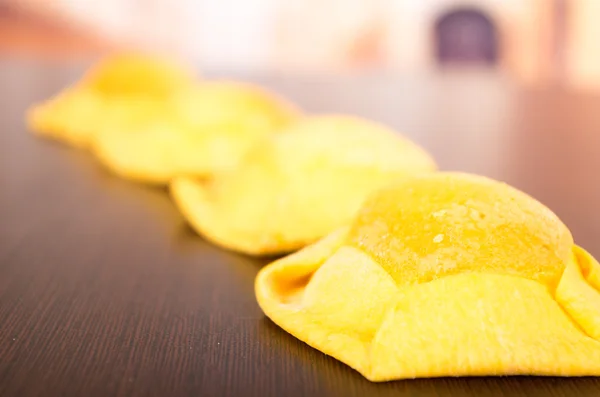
x,y
105,291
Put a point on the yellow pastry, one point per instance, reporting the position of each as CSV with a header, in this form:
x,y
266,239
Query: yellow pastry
x,y
200,131
71,116
130,74
445,274
77,113
297,186
139,140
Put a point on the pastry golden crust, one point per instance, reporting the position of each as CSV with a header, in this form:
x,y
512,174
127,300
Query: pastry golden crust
x,y
445,274
200,131
297,186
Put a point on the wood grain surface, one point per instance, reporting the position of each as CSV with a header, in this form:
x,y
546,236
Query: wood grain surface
x,y
105,291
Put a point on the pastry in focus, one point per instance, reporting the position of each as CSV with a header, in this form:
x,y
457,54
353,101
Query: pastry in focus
x,y
76,114
295,187
444,274
198,132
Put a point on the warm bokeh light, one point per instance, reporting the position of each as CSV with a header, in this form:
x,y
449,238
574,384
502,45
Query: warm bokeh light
x,y
536,42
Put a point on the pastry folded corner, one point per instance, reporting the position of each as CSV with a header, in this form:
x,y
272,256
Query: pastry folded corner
x,y
305,295
579,291
338,299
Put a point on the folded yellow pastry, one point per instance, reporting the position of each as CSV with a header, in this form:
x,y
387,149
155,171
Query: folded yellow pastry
x,y
297,186
200,131
75,114
445,274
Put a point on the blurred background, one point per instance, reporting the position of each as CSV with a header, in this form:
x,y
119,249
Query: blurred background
x,y
535,42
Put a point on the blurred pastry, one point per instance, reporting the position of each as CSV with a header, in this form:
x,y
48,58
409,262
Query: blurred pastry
x,y
77,113
200,131
444,274
140,140
133,74
297,186
71,116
